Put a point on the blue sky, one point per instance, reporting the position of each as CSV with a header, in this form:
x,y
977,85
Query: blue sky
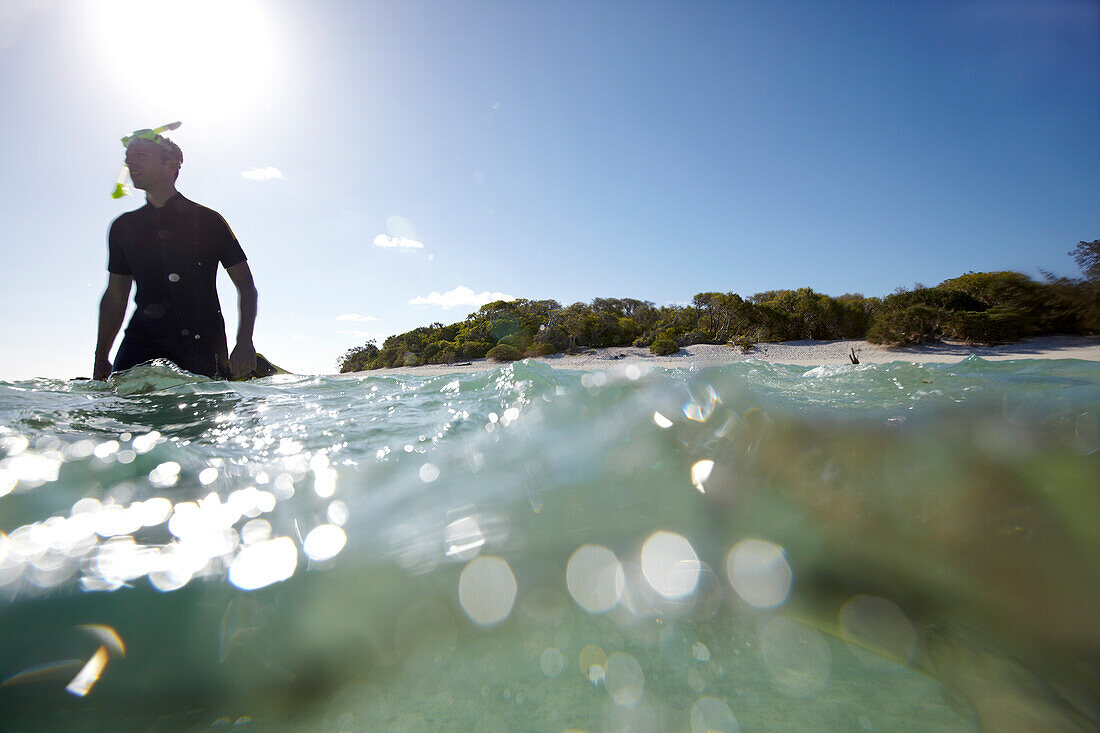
x,y
565,150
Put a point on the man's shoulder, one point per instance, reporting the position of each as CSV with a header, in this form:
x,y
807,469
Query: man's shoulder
x,y
130,216
190,208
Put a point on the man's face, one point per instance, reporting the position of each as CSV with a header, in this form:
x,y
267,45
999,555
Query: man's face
x,y
148,165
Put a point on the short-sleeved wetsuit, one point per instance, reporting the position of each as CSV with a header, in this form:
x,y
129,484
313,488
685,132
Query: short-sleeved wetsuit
x,y
173,252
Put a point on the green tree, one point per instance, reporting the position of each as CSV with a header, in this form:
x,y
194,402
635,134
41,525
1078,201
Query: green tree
x,y
358,358
1087,257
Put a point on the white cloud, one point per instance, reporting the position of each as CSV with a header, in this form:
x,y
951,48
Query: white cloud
x,y
383,240
355,317
263,174
461,295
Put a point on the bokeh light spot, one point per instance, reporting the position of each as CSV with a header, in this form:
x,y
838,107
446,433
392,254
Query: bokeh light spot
x,y
624,679
551,662
670,565
487,590
700,472
878,626
463,538
264,563
759,572
593,657
89,674
429,472
796,656
324,542
595,578
710,715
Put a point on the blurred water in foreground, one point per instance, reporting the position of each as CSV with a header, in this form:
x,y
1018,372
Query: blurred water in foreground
x,y
755,547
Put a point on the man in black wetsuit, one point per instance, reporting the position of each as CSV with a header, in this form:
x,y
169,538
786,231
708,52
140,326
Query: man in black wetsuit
x,y
172,248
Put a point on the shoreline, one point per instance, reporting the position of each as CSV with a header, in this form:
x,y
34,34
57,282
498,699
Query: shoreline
x,y
796,353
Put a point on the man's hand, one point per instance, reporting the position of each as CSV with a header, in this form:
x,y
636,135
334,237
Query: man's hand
x,y
243,359
102,368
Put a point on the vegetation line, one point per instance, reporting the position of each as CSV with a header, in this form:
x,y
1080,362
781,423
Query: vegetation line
x,y
978,307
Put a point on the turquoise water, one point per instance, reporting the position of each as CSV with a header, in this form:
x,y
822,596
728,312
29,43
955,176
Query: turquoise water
x,y
753,547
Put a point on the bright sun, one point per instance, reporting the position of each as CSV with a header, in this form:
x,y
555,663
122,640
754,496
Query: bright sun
x,y
199,57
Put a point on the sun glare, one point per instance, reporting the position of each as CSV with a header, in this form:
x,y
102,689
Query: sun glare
x,y
202,57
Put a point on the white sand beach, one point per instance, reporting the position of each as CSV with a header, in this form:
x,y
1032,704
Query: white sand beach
x,y
798,353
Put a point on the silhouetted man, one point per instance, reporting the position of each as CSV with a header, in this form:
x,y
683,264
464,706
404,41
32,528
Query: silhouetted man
x,y
172,248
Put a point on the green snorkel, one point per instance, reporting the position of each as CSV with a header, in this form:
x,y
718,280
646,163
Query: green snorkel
x,y
121,189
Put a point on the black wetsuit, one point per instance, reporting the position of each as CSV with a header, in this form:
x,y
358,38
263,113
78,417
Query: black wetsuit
x,y
173,252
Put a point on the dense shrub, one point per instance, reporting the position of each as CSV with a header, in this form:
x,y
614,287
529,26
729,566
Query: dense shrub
x,y
695,337
475,349
664,345
915,324
998,325
541,348
744,343
504,352
446,355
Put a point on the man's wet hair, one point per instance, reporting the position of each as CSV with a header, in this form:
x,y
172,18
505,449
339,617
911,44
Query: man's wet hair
x,y
167,148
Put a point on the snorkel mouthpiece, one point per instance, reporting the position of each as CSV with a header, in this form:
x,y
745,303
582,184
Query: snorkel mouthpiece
x,y
153,136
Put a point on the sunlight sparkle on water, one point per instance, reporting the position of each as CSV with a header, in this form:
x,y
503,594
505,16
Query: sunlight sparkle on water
x,y
324,542
255,530
89,674
262,564
700,472
463,538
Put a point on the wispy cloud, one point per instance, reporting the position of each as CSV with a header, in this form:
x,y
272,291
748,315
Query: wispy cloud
x,y
383,240
269,173
460,296
355,317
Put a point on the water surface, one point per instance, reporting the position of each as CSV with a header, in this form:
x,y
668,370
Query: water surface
x,y
755,547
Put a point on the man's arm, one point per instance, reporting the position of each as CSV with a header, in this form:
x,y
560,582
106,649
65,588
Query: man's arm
x,y
243,359
112,309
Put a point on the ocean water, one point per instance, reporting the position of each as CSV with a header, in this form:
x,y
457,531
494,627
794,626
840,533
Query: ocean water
x,y
752,547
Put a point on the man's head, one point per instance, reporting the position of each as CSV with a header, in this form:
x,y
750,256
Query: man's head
x,y
153,160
